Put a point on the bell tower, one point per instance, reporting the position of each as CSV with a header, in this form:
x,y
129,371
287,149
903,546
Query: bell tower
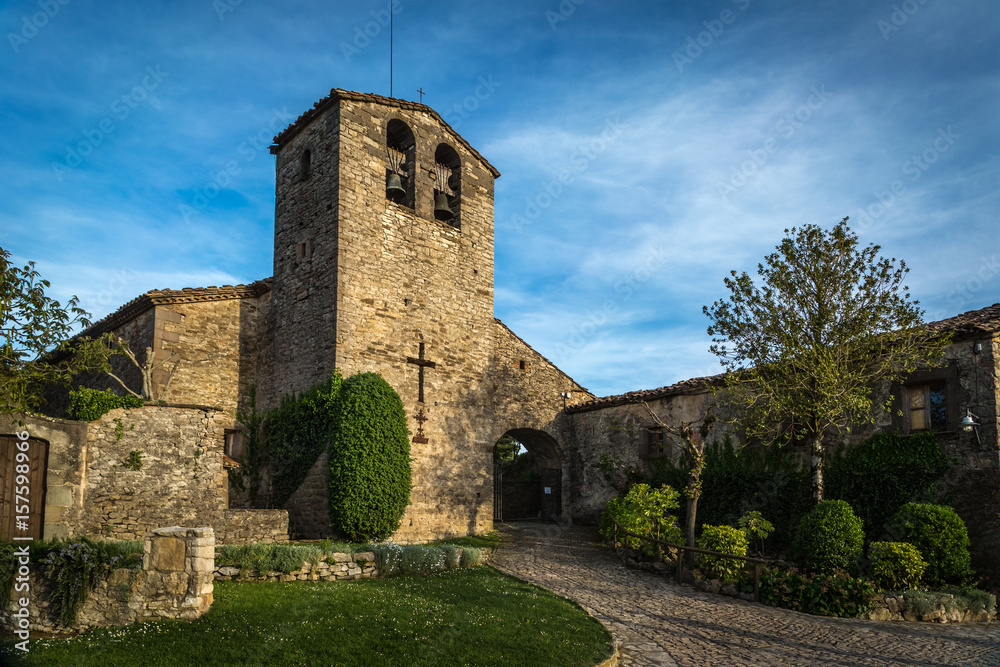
x,y
383,261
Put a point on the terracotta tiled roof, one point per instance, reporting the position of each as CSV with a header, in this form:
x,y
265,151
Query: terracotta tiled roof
x,y
337,94
971,323
156,297
692,386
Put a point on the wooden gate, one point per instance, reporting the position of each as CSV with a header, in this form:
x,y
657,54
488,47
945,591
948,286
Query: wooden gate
x,y
551,493
22,488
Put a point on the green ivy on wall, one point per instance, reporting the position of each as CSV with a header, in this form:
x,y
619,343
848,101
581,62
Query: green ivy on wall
x,y
370,477
90,404
296,433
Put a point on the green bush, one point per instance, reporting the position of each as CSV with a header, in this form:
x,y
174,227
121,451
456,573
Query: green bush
x,y
369,459
644,511
907,468
90,404
452,556
836,594
727,540
830,536
264,558
940,535
422,560
756,527
388,557
895,565
73,568
471,556
736,481
296,433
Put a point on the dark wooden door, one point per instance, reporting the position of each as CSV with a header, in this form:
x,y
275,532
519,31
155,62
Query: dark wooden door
x,y
551,493
22,488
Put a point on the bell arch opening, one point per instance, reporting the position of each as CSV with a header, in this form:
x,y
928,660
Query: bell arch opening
x,y
527,476
400,163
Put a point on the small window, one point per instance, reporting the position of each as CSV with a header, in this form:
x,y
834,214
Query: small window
x,y
305,164
927,406
523,365
303,250
235,446
653,445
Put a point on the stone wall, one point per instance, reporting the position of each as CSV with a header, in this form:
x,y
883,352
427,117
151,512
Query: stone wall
x,y
332,567
618,428
309,508
252,526
180,481
176,581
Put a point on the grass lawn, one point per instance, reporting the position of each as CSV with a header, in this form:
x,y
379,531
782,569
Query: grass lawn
x,y
474,616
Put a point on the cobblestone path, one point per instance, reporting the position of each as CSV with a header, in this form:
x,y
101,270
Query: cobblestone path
x,y
657,622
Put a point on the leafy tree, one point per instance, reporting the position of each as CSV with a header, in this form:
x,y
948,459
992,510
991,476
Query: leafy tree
x,y
806,348
506,449
693,437
32,326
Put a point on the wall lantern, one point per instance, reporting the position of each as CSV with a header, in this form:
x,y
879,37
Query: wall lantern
x,y
969,423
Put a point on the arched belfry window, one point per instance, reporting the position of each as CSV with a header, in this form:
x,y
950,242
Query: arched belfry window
x,y
400,162
447,186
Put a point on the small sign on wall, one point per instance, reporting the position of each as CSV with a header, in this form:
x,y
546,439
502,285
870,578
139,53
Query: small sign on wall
x,y
548,490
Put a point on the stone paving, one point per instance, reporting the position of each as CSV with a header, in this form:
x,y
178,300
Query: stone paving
x,y
657,622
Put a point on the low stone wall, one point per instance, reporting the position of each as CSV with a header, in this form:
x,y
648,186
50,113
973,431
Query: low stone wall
x,y
891,607
332,567
175,582
248,526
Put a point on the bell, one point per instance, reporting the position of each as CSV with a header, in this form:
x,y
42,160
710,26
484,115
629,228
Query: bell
x,y
442,211
394,187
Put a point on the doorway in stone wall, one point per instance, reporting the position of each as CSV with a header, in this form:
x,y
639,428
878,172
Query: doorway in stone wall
x,y
22,487
527,477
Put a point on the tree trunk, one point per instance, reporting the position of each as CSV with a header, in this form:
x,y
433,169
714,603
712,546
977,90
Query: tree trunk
x,y
692,514
817,469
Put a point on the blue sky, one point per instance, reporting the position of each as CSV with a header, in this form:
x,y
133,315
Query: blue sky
x,y
646,148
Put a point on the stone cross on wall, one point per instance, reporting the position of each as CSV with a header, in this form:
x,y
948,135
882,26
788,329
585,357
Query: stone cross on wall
x,y
422,363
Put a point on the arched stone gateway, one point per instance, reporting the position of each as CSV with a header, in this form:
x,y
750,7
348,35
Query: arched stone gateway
x,y
531,485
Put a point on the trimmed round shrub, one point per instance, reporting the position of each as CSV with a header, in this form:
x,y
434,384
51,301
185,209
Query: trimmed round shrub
x,y
727,540
895,566
830,537
940,535
369,478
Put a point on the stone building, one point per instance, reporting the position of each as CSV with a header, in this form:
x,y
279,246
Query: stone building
x,y
967,382
383,261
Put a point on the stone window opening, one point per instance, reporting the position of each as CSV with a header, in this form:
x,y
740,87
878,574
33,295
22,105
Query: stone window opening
x,y
522,365
400,163
235,445
305,164
303,250
447,186
653,445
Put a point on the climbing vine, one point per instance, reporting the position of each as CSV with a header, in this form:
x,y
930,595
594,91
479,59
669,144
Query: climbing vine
x,y
296,433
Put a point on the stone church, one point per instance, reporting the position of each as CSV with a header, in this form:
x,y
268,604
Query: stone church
x,y
383,261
